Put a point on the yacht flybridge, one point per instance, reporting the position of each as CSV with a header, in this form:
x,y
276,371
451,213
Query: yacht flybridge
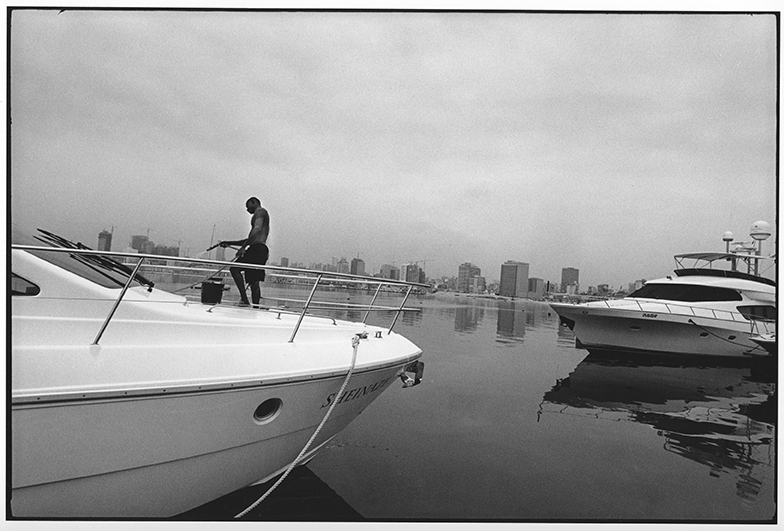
x,y
130,401
717,304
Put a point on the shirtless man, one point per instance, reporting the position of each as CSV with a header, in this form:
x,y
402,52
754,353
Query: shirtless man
x,y
253,250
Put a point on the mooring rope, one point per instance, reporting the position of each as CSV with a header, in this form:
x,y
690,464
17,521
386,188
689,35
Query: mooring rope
x,y
355,345
719,337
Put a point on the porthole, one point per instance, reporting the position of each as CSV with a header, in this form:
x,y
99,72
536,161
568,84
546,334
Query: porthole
x,y
704,334
267,410
634,328
731,338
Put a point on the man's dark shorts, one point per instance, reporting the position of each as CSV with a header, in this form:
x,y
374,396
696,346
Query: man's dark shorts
x,y
255,254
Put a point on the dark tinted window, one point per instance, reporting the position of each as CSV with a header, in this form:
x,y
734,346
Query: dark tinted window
x,y
21,286
686,293
103,271
767,313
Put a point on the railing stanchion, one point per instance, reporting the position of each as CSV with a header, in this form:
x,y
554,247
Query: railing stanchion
x,y
378,289
117,302
305,309
399,310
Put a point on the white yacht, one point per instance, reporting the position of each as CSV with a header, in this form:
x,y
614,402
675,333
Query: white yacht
x,y
703,310
129,401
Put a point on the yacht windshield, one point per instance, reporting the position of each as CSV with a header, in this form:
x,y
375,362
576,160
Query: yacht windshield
x,y
686,293
99,269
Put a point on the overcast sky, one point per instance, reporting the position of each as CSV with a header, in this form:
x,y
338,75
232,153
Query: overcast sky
x,y
605,142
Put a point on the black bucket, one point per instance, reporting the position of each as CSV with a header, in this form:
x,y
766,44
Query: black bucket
x,y
211,291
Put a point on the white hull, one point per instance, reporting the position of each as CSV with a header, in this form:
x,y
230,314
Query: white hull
x,y
607,328
163,455
164,413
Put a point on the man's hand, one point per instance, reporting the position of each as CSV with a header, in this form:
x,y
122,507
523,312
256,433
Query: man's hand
x,y
240,252
223,244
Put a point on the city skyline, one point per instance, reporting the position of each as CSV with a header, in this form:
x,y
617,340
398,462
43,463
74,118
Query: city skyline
x,y
357,266
607,142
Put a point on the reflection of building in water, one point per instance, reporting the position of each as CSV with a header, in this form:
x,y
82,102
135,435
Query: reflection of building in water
x,y
410,318
467,317
720,417
565,335
511,321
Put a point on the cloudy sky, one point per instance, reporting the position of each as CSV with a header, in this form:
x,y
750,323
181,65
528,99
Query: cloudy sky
x,y
605,142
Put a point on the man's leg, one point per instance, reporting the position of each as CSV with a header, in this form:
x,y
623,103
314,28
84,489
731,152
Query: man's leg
x,y
255,292
236,274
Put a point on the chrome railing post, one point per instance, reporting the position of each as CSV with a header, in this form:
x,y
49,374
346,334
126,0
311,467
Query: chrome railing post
x,y
117,302
399,310
378,289
305,309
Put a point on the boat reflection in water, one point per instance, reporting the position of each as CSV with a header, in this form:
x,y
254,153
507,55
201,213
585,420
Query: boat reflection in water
x,y
722,417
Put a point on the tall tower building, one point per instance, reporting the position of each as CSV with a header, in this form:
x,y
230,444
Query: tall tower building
x,y
342,266
284,262
390,271
357,266
104,240
410,272
141,243
514,279
465,273
569,276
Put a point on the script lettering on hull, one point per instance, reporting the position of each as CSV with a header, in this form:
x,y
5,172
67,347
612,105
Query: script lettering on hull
x,y
356,392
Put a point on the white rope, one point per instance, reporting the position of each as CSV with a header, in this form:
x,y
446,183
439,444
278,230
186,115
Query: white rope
x,y
355,344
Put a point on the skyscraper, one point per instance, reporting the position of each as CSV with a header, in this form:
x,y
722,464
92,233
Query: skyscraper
x,y
410,272
141,243
357,266
514,279
569,276
465,272
104,240
390,271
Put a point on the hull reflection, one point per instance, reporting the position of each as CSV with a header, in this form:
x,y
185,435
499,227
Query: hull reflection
x,y
720,416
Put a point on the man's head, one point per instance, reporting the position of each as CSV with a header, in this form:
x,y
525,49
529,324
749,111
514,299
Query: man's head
x,y
252,204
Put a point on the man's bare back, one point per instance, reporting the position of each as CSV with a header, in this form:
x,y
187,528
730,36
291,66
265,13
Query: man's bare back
x,y
260,222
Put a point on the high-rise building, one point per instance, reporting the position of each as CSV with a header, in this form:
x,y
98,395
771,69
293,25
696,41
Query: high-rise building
x,y
514,279
478,284
141,243
536,289
569,276
104,240
390,272
465,273
357,266
342,266
284,262
410,272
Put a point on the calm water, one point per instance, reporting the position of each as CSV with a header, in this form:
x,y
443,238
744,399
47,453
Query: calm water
x,y
511,422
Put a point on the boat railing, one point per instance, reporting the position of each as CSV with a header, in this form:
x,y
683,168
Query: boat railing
x,y
319,279
657,306
760,326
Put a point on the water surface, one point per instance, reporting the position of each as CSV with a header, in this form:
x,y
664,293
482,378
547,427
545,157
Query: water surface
x,y
512,422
